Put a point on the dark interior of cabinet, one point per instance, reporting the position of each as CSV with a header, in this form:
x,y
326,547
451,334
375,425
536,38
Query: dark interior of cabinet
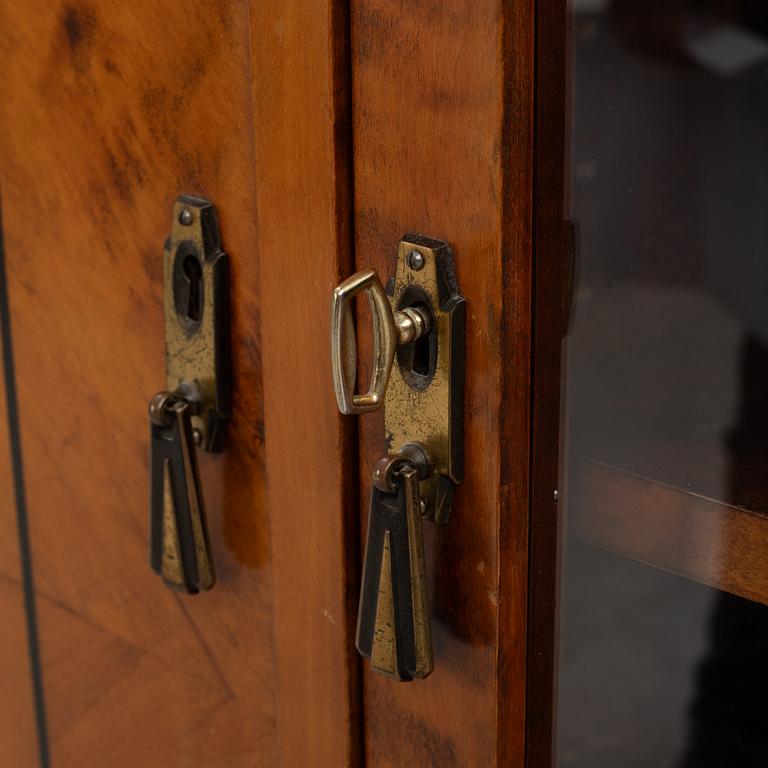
x,y
668,350
656,670
659,541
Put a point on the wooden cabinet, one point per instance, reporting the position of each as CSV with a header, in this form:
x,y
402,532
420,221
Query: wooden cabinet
x,y
598,170
322,133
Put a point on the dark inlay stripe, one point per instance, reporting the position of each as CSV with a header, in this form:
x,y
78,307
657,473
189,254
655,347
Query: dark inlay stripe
x,y
21,510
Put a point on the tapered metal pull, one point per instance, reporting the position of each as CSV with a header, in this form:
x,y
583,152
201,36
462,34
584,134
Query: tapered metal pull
x,y
180,547
393,628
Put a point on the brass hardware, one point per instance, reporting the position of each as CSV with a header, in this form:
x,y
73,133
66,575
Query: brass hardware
x,y
425,398
180,550
412,453
421,324
193,411
418,322
389,329
393,628
196,314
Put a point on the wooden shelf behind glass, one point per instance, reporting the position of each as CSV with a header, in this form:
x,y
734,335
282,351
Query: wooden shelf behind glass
x,y
677,529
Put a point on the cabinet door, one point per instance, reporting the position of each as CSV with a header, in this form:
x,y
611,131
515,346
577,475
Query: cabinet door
x,y
108,112
322,132
442,129
660,579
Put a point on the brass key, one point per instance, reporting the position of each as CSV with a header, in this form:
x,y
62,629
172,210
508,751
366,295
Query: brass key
x,y
393,627
180,550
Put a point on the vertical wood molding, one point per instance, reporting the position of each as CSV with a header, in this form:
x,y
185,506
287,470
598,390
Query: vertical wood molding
x,y
550,301
304,213
516,330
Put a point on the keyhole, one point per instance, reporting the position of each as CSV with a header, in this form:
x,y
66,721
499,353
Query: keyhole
x,y
194,275
421,351
418,359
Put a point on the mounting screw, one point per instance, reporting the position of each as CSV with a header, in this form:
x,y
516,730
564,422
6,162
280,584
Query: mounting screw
x,y
186,217
415,260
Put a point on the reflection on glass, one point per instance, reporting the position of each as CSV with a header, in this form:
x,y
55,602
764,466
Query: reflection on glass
x,y
664,624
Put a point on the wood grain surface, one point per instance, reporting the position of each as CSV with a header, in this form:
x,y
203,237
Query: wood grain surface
x,y
109,111
303,179
18,735
678,530
442,121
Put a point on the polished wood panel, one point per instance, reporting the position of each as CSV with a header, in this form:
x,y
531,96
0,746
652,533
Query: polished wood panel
x,y
442,121
303,167
18,734
109,111
677,530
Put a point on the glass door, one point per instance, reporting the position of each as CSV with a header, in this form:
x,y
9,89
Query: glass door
x,y
664,572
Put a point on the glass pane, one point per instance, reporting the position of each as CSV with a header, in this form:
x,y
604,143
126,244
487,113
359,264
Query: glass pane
x,y
664,625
